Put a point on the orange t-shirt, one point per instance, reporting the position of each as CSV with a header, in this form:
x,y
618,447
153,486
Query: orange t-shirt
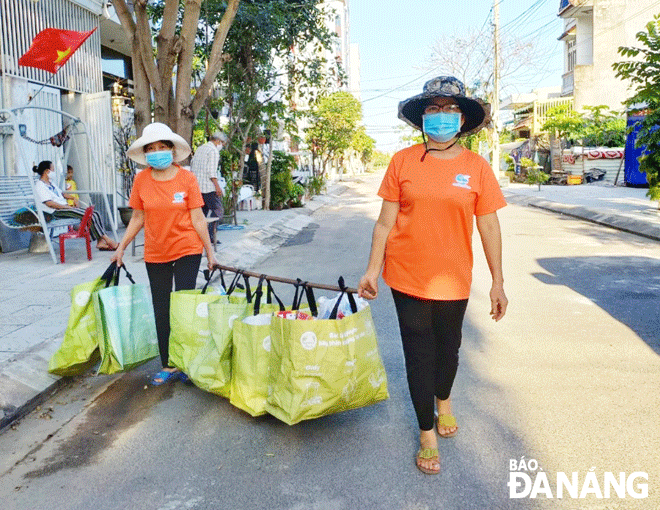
x,y
168,229
429,250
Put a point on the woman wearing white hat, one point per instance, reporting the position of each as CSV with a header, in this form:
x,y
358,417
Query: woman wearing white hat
x,y
431,194
167,202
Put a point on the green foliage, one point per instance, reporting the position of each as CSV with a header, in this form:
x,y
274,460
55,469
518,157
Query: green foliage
x,y
527,163
381,159
535,173
471,142
603,128
334,121
510,162
363,144
263,32
281,183
565,122
297,194
316,185
643,74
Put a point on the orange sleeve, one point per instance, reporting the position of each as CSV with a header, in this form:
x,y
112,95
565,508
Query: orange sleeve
x,y
490,197
390,189
135,201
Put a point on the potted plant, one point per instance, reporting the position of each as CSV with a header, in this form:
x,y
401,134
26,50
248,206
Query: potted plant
x,y
535,173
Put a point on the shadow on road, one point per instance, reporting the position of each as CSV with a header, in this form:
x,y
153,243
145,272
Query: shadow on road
x,y
628,288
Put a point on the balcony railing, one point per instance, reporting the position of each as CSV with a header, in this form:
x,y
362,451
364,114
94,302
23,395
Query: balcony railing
x,y
541,109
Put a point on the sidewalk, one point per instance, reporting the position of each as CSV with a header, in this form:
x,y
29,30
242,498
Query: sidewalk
x,y
619,207
36,295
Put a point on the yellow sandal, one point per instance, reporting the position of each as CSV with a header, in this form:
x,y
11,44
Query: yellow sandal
x,y
427,454
447,420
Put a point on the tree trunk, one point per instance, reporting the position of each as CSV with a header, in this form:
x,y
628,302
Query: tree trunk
x,y
268,172
177,108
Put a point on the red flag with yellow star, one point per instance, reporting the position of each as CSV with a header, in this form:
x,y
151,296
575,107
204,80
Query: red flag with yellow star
x,y
52,47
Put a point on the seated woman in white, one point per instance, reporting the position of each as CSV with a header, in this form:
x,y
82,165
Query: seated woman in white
x,y
54,202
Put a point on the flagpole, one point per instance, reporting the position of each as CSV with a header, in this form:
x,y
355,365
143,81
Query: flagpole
x,y
42,87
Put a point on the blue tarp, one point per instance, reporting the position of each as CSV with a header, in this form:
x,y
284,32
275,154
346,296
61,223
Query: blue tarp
x,y
632,175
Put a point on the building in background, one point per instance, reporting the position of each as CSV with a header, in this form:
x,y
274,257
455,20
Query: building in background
x,y
82,89
593,32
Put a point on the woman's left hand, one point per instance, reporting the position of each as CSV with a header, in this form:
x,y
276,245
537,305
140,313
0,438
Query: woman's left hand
x,y
498,302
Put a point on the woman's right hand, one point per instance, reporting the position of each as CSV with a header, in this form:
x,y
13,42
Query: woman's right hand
x,y
117,257
368,286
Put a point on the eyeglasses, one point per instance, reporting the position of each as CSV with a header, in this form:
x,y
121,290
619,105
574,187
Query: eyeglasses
x,y
447,108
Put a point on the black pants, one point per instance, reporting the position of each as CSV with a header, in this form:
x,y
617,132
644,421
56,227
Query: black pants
x,y
183,272
431,336
212,203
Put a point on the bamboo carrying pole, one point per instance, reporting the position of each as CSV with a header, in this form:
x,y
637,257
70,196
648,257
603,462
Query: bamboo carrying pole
x,y
283,280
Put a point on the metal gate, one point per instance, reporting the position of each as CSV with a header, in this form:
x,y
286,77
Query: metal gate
x,y
98,111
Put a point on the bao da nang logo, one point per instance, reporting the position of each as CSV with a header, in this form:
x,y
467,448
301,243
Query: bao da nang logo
x,y
528,480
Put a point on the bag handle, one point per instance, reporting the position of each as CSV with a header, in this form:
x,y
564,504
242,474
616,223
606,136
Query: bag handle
x,y
222,280
248,293
128,275
116,271
271,293
297,296
305,291
234,282
208,277
351,299
311,300
258,293
109,273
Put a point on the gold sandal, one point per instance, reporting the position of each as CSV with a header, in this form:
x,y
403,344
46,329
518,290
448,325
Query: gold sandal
x,y
447,420
427,454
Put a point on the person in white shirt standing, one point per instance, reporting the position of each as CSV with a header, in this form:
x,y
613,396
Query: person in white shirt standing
x,y
205,167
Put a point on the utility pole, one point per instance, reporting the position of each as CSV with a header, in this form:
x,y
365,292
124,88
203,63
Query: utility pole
x,y
495,107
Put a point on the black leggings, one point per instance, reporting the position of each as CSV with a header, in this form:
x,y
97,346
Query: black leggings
x,y
431,336
184,273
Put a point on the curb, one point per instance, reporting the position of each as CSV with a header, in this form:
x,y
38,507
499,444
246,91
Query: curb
x,y
611,220
25,381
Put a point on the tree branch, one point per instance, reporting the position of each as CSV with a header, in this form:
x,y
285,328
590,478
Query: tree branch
x,y
217,58
125,18
187,47
145,46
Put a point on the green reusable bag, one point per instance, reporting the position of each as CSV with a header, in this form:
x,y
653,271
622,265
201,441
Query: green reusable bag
x,y
79,350
321,367
125,325
210,370
189,322
250,357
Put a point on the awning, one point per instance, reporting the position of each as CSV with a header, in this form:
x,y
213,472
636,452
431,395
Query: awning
x,y
512,145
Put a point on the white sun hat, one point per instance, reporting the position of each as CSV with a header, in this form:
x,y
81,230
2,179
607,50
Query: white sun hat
x,y
156,132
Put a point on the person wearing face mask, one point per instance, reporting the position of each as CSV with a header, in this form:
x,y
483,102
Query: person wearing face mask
x,y
56,204
432,192
167,202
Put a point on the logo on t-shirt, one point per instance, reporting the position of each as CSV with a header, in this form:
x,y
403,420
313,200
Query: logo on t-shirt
x,y
462,181
178,197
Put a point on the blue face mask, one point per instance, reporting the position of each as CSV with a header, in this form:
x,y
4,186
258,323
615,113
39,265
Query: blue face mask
x,y
159,160
441,127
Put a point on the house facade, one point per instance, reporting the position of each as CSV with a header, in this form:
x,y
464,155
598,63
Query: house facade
x,y
593,32
78,97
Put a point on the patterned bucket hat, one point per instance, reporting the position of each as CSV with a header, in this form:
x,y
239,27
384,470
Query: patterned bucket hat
x,y
475,111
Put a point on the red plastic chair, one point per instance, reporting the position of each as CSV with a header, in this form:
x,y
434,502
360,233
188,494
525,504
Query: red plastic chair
x,y
82,231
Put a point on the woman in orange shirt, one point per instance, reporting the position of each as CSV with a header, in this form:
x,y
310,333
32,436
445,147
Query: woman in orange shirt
x,y
431,194
167,202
